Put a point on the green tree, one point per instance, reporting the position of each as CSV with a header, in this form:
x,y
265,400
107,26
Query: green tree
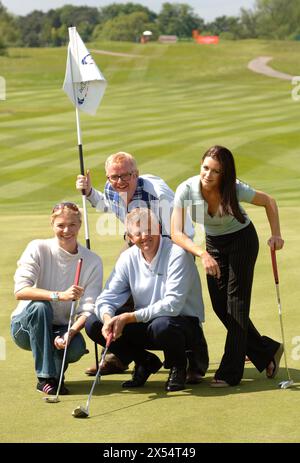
x,y
9,31
126,27
83,17
75,15
115,9
178,19
31,27
277,19
248,21
40,29
225,26
3,48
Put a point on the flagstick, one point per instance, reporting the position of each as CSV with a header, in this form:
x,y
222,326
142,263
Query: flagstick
x,y
80,151
82,171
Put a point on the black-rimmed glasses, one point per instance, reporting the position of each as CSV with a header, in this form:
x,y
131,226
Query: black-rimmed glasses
x,y
123,177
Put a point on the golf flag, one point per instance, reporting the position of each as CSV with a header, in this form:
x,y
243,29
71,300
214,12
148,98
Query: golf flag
x,y
84,83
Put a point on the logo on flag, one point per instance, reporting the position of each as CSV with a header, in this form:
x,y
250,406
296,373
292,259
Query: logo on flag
x,y
84,83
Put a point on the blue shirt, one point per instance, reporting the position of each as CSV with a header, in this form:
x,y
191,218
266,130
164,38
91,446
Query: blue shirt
x,y
151,192
168,286
188,195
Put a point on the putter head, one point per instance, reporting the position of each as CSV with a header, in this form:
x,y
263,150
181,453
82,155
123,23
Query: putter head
x,y
80,412
51,400
285,384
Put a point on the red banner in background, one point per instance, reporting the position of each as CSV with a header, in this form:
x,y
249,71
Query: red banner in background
x,y
207,39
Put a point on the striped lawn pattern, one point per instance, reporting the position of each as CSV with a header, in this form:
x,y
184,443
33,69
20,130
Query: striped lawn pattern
x,y
166,106
162,107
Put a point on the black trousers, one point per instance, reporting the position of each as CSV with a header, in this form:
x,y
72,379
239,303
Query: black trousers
x,y
230,296
173,335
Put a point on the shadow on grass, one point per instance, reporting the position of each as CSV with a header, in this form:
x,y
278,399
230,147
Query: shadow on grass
x,y
252,382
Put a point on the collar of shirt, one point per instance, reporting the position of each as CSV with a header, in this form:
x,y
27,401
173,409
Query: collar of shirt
x,y
152,265
66,255
118,205
114,196
138,194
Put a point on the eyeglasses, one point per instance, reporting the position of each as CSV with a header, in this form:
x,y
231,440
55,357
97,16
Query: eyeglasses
x,y
124,177
66,204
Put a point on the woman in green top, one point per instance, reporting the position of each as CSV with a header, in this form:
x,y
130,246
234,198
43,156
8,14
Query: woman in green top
x,y
229,258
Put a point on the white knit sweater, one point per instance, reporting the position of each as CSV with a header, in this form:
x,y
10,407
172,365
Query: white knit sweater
x,y
44,264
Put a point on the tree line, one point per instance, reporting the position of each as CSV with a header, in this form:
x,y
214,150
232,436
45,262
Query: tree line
x,y
269,19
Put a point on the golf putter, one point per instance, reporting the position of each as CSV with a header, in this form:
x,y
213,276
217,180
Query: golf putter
x,y
55,399
288,383
83,412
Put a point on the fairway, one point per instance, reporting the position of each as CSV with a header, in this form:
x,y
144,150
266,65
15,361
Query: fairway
x,y
166,105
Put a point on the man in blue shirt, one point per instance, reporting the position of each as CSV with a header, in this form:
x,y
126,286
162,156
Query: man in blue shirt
x,y
168,309
125,190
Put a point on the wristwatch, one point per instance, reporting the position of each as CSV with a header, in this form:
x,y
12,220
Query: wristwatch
x,y
54,297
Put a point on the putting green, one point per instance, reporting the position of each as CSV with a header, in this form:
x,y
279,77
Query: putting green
x,y
166,107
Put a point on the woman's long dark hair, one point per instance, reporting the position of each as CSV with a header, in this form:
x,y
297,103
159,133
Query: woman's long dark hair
x,y
229,201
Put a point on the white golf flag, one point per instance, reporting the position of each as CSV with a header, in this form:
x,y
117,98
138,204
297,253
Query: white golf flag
x,y
84,83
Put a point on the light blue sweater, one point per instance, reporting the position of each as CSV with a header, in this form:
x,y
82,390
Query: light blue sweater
x,y
188,195
169,286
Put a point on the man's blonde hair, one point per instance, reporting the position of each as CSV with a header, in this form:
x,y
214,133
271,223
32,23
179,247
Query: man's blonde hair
x,y
119,157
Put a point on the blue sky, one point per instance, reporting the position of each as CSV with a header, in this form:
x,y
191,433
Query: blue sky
x,y
206,9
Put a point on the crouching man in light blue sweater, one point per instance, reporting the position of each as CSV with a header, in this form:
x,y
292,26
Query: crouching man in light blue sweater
x,y
164,283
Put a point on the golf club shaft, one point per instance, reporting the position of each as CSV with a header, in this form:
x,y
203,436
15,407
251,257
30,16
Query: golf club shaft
x,y
73,306
282,330
108,341
85,214
276,278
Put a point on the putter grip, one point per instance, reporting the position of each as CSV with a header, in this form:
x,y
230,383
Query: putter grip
x,y
78,270
109,339
274,265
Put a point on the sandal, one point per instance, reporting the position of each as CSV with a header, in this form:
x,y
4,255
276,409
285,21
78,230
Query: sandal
x,y
219,383
271,373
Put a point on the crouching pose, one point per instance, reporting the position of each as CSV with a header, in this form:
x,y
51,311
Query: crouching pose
x,y
44,286
168,309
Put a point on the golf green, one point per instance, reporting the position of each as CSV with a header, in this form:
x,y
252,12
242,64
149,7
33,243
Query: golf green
x,y
166,106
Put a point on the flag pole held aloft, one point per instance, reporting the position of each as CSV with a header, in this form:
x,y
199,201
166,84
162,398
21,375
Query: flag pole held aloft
x,y
85,86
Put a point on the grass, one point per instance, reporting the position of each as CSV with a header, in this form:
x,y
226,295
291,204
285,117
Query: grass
x,y
166,106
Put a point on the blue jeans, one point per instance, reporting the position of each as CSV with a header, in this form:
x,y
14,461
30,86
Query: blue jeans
x,y
33,330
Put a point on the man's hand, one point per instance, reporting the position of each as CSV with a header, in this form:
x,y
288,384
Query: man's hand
x,y
117,323
84,182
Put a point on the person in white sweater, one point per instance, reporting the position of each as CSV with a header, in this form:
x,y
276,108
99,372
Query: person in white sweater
x,y
44,285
